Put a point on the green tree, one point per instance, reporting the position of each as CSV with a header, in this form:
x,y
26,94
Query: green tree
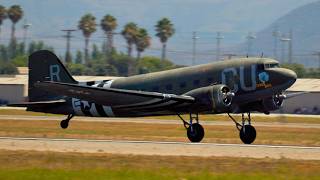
x,y
165,30
299,69
20,61
8,68
3,15
142,41
15,13
149,64
77,69
87,25
129,33
108,25
79,57
96,53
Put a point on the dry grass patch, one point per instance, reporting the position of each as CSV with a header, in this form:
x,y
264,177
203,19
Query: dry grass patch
x,y
51,165
155,132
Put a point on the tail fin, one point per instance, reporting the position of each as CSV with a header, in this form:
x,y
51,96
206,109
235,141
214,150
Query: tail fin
x,y
46,66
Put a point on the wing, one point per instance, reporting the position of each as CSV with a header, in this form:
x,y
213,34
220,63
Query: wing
x,y
121,98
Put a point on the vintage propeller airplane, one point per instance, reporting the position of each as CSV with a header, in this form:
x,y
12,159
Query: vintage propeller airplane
x,y
234,86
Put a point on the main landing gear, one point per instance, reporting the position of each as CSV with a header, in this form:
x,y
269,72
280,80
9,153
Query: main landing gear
x,y
195,131
65,123
247,132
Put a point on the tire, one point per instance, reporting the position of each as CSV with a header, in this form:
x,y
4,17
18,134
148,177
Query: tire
x,y
64,124
197,133
248,134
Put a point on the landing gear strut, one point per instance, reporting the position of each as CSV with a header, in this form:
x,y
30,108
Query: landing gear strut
x,y
247,132
65,123
195,131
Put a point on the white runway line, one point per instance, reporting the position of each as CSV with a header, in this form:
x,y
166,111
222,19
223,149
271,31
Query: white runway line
x,y
160,148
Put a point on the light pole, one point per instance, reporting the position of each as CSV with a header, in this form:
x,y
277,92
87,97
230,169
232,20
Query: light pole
x,y
275,35
250,39
283,40
25,31
194,50
219,38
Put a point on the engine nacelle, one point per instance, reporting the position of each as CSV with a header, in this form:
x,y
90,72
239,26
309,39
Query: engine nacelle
x,y
273,103
216,98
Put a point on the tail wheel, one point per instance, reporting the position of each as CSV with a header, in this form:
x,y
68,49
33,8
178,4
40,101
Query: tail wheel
x,y
195,132
248,134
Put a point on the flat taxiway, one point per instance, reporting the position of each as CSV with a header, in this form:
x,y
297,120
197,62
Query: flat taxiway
x,y
159,148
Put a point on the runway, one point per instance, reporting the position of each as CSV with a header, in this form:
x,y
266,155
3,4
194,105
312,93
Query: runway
x,y
160,148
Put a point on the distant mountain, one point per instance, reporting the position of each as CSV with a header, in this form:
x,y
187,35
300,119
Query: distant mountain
x,y
305,25
234,18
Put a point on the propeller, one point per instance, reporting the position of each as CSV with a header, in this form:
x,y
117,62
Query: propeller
x,y
227,96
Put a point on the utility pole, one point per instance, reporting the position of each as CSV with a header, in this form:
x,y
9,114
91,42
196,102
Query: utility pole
x,y
275,35
290,47
194,50
219,38
68,37
25,32
250,39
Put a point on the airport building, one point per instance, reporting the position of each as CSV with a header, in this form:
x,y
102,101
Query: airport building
x,y
15,89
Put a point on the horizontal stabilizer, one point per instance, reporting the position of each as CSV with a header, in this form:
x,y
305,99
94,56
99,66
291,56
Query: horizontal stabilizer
x,y
107,96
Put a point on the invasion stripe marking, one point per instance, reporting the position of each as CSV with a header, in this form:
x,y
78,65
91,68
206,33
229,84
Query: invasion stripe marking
x,y
101,111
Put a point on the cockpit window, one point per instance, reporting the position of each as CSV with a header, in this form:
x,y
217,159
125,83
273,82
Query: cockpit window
x,y
271,65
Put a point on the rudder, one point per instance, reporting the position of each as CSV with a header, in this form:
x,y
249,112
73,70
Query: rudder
x,y
46,66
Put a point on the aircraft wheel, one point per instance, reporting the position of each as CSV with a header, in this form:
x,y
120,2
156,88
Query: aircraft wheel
x,y
195,134
64,124
248,134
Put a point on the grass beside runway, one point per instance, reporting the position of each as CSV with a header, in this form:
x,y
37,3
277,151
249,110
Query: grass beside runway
x,y
222,117
155,132
49,165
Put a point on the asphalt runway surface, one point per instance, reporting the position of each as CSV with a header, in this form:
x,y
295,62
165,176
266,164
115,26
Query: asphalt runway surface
x,y
159,148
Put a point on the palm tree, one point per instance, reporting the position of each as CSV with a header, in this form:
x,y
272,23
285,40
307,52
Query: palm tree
x,y
142,41
108,25
129,32
87,25
3,15
15,13
165,30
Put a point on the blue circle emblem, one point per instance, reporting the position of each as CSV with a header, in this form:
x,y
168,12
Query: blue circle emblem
x,y
264,77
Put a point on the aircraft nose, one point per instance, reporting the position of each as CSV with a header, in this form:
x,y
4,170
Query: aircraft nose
x,y
290,75
285,77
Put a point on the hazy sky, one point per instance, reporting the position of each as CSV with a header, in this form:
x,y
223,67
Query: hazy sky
x,y
235,18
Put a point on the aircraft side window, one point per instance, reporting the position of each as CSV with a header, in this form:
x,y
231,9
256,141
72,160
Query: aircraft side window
x,y
261,67
183,85
169,87
196,82
272,65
